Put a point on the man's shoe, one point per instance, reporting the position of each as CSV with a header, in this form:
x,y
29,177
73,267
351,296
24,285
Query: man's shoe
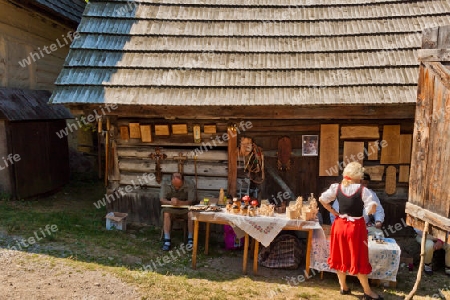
x,y
190,241
428,269
166,245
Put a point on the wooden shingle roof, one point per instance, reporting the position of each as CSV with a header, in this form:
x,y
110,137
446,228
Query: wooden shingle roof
x,y
254,52
26,105
67,9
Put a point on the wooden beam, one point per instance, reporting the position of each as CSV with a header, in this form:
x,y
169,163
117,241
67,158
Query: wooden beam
x,y
428,216
232,160
418,191
313,112
170,165
434,55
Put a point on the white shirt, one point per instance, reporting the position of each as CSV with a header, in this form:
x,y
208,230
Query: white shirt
x,y
379,214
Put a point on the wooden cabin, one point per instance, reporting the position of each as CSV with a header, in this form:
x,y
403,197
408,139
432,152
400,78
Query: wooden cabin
x,y
429,193
34,41
181,78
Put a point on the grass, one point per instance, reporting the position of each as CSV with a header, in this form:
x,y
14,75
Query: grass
x,y
82,242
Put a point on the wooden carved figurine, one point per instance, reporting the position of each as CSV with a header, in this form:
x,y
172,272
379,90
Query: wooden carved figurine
x,y
181,160
284,153
158,156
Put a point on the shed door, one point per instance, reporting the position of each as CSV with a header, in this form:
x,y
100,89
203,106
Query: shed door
x,y
430,162
44,163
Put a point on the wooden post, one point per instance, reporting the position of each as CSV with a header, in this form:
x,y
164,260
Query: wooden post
x,y
108,125
99,146
422,261
232,160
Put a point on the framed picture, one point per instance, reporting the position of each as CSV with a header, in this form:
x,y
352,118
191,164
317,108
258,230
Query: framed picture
x,y
310,145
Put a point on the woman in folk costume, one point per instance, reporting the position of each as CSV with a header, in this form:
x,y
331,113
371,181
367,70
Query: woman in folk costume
x,y
348,246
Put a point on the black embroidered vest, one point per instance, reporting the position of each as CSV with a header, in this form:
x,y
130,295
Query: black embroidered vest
x,y
350,205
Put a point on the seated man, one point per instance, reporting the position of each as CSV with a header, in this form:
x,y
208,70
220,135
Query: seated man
x,y
378,216
432,244
177,193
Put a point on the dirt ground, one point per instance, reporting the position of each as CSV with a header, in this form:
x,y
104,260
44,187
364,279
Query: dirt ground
x,y
32,276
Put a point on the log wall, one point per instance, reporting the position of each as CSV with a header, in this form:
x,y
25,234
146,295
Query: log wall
x,y
133,160
23,32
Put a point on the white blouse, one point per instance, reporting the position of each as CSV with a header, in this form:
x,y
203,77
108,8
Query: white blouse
x,y
330,194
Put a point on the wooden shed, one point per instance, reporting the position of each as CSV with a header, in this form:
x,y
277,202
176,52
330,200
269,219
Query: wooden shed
x,y
429,192
34,160
340,74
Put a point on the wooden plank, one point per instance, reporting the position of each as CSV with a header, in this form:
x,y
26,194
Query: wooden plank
x,y
403,173
232,160
375,172
135,131
353,151
390,154
417,180
391,180
329,150
372,150
359,132
210,129
439,153
162,130
124,134
405,148
146,133
179,129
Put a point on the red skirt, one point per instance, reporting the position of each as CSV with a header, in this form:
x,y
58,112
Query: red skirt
x,y
349,250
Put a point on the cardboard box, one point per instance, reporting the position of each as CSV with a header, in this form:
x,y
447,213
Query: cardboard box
x,y
116,220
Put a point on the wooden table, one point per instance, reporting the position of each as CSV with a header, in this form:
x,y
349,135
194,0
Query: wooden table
x,y
221,218
384,258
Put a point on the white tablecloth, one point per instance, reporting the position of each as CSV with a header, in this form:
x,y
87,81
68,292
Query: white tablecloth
x,y
263,229
384,258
